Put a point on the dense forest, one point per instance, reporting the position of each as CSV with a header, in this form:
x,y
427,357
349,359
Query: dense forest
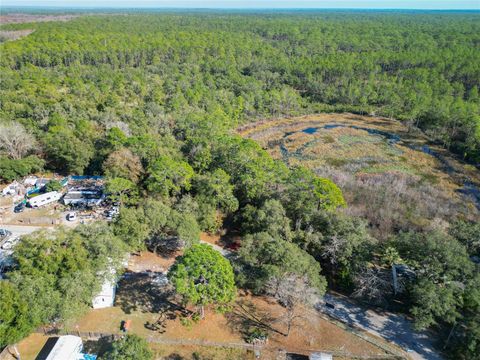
x,y
151,101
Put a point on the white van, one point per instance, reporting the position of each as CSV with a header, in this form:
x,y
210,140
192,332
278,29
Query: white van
x,y
44,199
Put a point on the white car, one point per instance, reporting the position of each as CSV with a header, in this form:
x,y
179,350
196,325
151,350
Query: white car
x,y
9,244
72,216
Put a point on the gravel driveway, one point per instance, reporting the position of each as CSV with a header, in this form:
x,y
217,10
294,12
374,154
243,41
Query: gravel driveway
x,y
393,327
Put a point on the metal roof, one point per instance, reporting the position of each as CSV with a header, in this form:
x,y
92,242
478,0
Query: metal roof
x,y
67,347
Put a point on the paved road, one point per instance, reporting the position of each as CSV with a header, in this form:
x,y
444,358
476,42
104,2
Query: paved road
x,y
389,326
19,230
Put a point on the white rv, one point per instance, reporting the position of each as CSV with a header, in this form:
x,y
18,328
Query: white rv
x,y
106,296
66,347
44,199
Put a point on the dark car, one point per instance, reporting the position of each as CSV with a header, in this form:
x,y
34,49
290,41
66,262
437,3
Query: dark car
x,y
19,208
4,233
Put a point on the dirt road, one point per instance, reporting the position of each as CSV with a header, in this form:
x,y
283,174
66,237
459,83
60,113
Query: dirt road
x,y
392,327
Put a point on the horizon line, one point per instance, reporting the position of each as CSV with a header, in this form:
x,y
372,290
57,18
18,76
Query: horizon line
x,y
228,8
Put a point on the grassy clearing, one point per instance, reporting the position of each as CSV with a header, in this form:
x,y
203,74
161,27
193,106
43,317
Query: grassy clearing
x,y
310,332
353,150
144,304
390,175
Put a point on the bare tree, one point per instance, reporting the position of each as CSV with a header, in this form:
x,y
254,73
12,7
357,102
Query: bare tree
x,y
15,140
334,249
373,284
292,291
123,163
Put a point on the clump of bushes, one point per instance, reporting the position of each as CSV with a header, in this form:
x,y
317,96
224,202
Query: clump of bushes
x,y
11,169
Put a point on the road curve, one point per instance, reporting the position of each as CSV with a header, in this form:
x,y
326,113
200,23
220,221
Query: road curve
x,y
392,327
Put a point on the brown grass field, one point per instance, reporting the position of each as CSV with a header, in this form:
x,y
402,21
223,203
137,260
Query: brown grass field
x,y
18,18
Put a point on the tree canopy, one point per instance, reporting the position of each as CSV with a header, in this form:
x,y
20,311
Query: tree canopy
x,y
202,276
129,347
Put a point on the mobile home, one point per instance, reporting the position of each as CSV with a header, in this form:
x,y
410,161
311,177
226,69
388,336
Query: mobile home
x,y
44,199
66,347
106,296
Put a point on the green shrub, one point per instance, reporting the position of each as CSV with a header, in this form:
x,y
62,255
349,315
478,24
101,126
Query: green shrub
x,y
255,333
53,185
11,169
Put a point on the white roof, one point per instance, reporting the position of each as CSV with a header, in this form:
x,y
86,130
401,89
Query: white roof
x,y
10,188
108,289
30,181
106,296
45,198
67,347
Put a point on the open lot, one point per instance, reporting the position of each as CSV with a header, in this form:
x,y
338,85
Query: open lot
x,y
156,315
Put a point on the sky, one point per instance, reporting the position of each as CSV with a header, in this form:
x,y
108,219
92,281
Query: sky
x,y
361,4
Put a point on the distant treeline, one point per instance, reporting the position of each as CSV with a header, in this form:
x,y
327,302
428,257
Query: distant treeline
x,y
420,67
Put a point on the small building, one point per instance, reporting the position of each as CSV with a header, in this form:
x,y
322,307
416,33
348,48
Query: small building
x,y
106,297
87,197
10,189
66,347
40,183
44,199
30,181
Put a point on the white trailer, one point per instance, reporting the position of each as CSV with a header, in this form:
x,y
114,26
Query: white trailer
x,y
106,297
44,199
66,347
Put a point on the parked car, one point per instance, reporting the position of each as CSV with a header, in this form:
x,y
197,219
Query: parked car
x,y
72,216
8,244
19,207
4,233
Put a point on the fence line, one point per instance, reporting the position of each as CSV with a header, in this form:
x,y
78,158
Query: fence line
x,y
91,335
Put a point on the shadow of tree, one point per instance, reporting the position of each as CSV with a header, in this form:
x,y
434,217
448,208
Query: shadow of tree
x,y
142,292
98,347
245,316
174,356
166,247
